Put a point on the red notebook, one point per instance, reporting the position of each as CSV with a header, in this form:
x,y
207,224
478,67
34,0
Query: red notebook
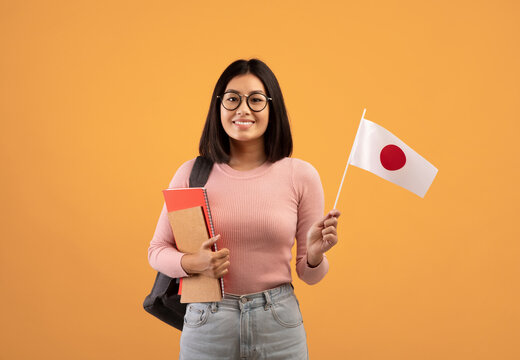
x,y
181,203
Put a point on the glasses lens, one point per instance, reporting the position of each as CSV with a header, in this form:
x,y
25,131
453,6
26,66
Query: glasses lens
x,y
257,102
230,101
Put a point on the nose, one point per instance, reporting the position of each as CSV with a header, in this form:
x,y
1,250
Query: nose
x,y
243,108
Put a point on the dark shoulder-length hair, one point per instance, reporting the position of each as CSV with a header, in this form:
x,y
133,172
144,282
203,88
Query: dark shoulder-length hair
x,y
214,142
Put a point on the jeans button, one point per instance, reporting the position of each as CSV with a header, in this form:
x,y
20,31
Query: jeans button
x,y
243,300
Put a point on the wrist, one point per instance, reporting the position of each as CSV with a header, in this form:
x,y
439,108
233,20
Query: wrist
x,y
188,264
313,260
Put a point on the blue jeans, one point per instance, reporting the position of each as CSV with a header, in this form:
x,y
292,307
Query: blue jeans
x,y
264,325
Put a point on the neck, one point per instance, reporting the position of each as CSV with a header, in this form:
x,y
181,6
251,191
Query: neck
x,y
246,156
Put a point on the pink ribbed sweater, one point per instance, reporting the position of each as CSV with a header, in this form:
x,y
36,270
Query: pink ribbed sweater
x,y
258,213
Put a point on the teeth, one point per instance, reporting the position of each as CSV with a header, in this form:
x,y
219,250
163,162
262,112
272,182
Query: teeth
x,y
243,122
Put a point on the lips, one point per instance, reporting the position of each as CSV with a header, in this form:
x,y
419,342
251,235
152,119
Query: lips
x,y
243,124
243,121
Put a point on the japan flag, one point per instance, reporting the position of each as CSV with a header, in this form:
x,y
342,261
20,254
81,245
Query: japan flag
x,y
377,150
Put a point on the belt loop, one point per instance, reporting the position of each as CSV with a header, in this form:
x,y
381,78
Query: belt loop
x,y
214,307
268,302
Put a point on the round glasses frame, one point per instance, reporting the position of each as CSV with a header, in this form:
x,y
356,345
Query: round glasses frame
x,y
247,100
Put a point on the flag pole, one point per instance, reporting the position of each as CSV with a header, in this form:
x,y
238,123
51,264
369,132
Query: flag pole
x,y
349,156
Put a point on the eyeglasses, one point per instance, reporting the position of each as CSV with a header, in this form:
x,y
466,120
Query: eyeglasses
x,y
256,101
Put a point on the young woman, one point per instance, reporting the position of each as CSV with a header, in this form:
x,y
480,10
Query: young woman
x,y
261,200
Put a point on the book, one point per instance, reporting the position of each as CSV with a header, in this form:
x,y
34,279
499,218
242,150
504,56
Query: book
x,y
191,222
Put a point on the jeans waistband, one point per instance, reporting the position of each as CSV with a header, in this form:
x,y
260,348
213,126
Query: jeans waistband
x,y
262,298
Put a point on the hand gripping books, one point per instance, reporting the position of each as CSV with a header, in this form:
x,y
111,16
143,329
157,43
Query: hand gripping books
x,y
190,219
164,301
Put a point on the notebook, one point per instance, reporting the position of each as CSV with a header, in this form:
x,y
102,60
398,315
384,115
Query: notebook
x,y
190,218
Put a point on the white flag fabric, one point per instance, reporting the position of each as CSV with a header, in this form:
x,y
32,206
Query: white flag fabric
x,y
377,150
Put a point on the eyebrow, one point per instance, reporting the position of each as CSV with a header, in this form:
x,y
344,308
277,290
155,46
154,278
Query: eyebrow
x,y
254,91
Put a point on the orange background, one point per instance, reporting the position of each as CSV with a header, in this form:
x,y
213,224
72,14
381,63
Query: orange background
x,y
100,102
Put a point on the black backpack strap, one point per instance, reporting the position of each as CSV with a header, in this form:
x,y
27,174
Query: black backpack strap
x,y
200,172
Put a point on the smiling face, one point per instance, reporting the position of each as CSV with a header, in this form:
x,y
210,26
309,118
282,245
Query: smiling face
x,y
243,125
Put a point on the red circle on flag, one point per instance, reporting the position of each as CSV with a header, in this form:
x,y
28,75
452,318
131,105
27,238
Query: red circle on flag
x,y
392,157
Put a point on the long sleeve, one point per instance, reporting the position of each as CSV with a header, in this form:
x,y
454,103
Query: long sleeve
x,y
258,213
162,254
307,184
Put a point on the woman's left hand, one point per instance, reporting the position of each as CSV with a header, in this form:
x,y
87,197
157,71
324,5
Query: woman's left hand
x,y
321,237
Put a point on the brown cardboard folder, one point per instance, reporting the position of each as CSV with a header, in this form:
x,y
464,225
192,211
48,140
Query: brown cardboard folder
x,y
190,231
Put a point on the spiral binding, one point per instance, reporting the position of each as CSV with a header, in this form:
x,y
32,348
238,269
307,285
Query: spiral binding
x,y
212,231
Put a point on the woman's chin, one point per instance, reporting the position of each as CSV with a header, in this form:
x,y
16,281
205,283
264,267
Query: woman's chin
x,y
245,139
